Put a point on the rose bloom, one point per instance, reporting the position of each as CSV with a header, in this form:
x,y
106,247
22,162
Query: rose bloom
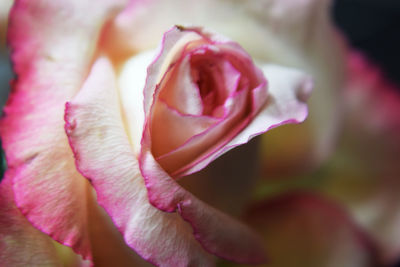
x,y
95,107
96,100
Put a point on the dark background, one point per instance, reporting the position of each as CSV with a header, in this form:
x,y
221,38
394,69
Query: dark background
x,y
372,26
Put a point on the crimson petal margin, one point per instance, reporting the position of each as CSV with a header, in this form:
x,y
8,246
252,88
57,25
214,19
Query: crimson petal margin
x,y
104,155
50,56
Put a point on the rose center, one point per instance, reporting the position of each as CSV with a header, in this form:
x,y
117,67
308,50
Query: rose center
x,y
210,74
203,75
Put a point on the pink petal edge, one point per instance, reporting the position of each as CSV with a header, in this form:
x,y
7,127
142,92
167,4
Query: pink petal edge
x,y
47,188
93,118
217,232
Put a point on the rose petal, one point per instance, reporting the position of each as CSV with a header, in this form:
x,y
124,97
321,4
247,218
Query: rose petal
x,y
23,245
168,124
288,91
107,244
20,243
216,231
51,56
93,118
173,42
133,76
180,91
198,147
222,184
303,228
268,20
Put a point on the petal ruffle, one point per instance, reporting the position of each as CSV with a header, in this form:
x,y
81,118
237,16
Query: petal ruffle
x,y
93,118
51,56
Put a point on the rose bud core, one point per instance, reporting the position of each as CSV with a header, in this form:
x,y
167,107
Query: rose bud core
x,y
208,90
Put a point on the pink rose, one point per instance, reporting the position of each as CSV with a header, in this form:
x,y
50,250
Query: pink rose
x,y
202,95
59,48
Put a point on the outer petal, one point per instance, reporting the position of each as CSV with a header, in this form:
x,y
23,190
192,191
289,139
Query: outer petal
x,y
20,243
365,171
51,56
305,229
107,244
216,231
93,118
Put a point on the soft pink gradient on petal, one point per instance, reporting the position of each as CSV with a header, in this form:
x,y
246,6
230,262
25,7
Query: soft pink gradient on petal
x,y
288,90
223,75
51,56
181,93
20,243
209,140
172,44
92,118
177,128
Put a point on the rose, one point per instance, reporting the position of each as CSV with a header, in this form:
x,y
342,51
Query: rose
x,y
93,117
207,91
294,47
85,129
